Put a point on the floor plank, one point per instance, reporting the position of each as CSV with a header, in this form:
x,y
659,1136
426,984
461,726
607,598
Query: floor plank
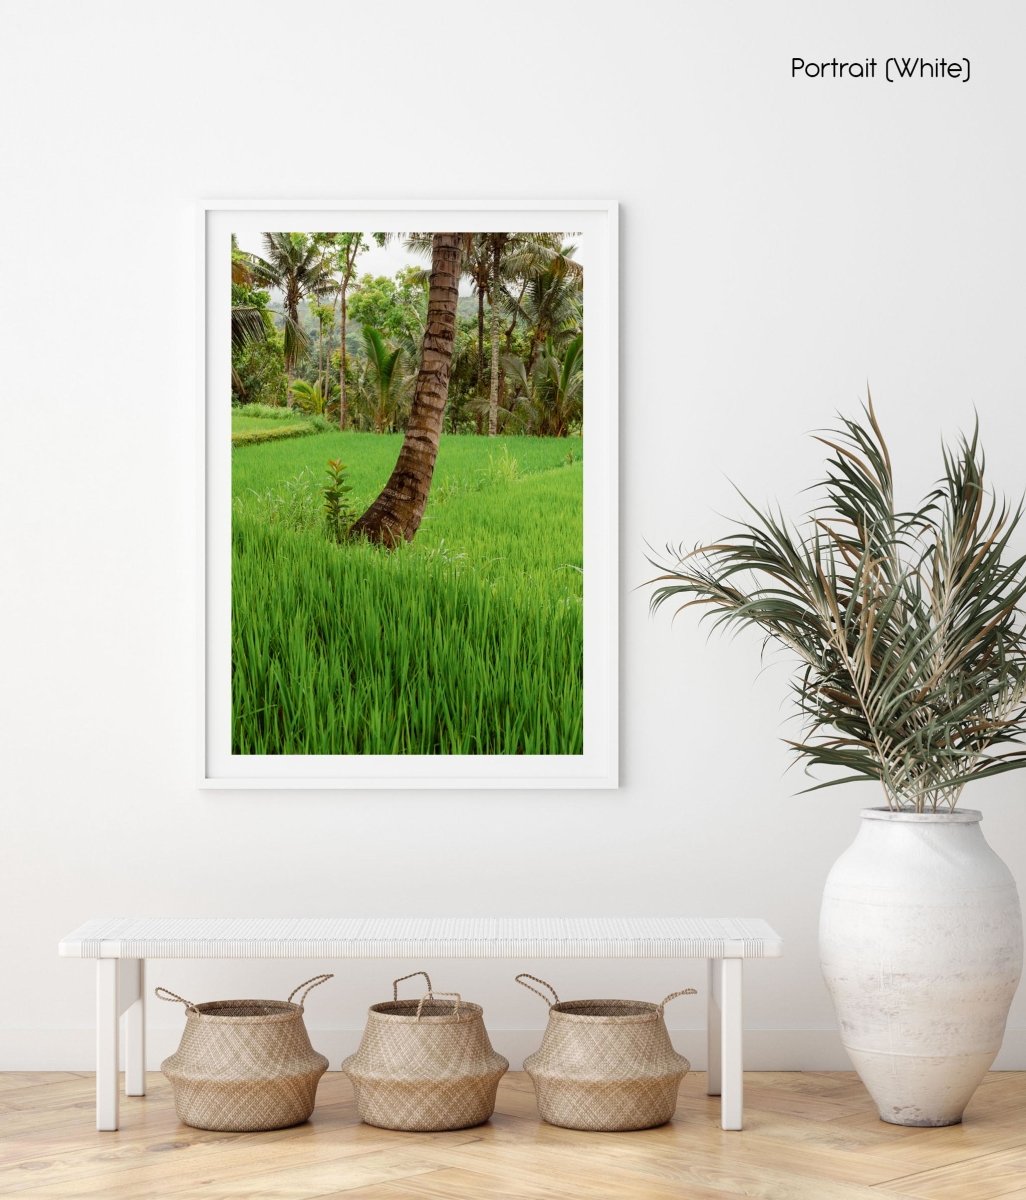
x,y
982,1178
23,1079
807,1136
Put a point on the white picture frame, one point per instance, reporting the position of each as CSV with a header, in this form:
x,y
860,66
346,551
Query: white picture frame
x,y
596,222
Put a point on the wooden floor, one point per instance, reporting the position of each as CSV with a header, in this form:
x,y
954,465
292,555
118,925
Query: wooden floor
x,y
807,1137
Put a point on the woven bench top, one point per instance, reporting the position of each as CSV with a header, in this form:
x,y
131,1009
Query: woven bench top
x,y
422,937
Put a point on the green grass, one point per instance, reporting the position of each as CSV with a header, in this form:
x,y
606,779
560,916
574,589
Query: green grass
x,y
252,427
467,641
245,424
267,412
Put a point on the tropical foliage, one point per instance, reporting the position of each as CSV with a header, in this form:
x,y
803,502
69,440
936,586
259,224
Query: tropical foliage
x,y
295,265
308,396
301,308
548,399
383,361
908,626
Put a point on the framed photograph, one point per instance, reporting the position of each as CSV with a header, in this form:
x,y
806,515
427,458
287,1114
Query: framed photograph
x,y
409,449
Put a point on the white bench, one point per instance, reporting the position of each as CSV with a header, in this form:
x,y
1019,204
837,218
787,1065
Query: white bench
x,y
121,946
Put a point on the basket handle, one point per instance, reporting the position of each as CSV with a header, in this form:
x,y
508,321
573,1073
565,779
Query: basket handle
x,y
432,995
397,982
163,994
674,995
523,975
309,985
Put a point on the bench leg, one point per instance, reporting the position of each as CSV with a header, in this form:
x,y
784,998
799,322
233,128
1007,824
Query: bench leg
x,y
132,981
108,1014
713,1028
731,1037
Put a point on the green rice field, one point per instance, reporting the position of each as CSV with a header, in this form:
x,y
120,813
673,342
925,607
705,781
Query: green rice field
x,y
467,641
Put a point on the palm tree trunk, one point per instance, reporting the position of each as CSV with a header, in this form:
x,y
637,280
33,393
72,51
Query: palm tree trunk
x,y
493,391
396,514
538,336
480,346
292,307
493,312
342,360
511,328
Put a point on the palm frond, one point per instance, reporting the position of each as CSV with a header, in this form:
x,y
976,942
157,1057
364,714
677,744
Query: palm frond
x,y
384,361
295,340
248,325
908,625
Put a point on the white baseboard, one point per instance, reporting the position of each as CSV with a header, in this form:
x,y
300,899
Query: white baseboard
x,y
764,1049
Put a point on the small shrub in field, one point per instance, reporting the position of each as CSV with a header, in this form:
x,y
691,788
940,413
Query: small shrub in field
x,y
292,505
309,397
338,511
502,468
445,489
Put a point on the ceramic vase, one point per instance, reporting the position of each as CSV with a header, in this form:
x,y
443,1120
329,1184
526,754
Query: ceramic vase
x,y
921,948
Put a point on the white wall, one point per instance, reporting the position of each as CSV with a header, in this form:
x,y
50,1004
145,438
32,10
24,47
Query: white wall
x,y
782,242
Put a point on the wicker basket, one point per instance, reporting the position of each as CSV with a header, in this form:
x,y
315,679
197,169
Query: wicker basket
x,y
605,1064
425,1065
245,1065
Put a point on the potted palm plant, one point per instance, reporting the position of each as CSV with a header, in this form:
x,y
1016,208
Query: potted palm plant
x,y
908,631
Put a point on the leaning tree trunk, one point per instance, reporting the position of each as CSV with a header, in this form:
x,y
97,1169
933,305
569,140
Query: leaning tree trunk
x,y
396,514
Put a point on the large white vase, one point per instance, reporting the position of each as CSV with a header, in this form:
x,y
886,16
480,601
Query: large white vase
x,y
921,946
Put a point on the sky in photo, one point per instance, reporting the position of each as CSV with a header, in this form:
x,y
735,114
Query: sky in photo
x,y
388,259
